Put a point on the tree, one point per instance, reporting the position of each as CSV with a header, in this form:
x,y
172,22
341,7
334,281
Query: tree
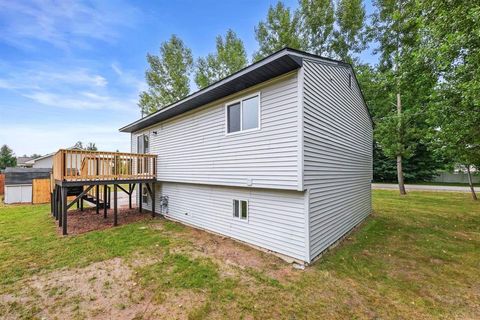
x,y
318,18
91,146
229,58
168,76
281,29
7,157
78,145
350,36
406,80
422,166
451,42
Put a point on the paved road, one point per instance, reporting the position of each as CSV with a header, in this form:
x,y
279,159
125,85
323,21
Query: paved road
x,y
418,187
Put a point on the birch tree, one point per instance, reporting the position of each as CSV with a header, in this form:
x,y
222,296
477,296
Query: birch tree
x,y
230,56
407,79
167,76
318,19
280,29
452,43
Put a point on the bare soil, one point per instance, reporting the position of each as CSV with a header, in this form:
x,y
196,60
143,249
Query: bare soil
x,y
88,220
103,290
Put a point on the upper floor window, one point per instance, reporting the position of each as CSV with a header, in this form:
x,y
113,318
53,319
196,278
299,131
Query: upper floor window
x,y
243,114
143,144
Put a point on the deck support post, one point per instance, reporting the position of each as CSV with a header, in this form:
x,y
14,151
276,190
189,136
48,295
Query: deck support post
x,y
64,211
130,196
105,207
115,218
59,203
140,197
60,206
81,204
97,200
54,201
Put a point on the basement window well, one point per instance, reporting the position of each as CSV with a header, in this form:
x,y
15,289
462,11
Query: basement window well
x,y
240,209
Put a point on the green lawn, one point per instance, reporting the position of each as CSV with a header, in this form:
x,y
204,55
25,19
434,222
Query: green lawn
x,y
417,256
431,183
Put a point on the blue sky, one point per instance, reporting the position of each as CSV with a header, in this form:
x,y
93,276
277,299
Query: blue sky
x,y
72,70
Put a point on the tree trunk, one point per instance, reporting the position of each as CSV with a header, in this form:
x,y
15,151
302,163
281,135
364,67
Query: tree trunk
x,y
401,183
470,182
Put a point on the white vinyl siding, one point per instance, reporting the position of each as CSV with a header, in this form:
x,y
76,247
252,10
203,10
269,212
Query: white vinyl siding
x,y
337,153
194,147
44,163
275,217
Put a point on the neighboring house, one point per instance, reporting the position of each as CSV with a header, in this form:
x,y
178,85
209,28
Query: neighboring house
x,y
278,155
45,161
18,183
24,162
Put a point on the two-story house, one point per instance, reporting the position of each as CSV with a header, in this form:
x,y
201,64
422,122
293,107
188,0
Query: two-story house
x,y
278,155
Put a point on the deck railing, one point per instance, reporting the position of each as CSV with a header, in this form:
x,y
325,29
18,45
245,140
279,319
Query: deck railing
x,y
85,165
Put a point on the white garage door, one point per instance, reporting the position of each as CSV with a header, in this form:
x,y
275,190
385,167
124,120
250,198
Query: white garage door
x,y
18,193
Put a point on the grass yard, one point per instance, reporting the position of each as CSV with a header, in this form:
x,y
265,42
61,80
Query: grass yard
x,y
416,257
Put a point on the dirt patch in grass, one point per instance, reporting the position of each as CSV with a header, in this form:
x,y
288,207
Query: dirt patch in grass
x,y
104,288
229,254
88,220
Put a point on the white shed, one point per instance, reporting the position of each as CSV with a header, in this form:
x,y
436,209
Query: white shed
x,y
18,183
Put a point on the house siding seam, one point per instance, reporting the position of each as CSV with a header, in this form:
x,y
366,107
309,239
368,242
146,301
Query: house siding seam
x,y
337,154
193,147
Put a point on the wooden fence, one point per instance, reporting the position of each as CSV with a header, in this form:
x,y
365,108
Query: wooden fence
x,y
40,191
2,183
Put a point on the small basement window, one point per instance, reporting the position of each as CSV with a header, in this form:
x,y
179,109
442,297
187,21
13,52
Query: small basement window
x,y
144,195
240,209
243,114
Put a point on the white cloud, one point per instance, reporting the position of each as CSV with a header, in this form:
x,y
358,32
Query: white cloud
x,y
31,78
82,100
63,24
70,87
128,78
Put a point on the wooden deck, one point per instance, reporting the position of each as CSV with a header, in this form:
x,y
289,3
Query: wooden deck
x,y
88,176
83,166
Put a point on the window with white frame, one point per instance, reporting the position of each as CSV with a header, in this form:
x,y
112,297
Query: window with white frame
x,y
243,114
144,195
240,209
143,143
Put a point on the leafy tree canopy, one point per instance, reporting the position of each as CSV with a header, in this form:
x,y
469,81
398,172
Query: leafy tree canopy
x,y
280,29
318,18
168,76
229,58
